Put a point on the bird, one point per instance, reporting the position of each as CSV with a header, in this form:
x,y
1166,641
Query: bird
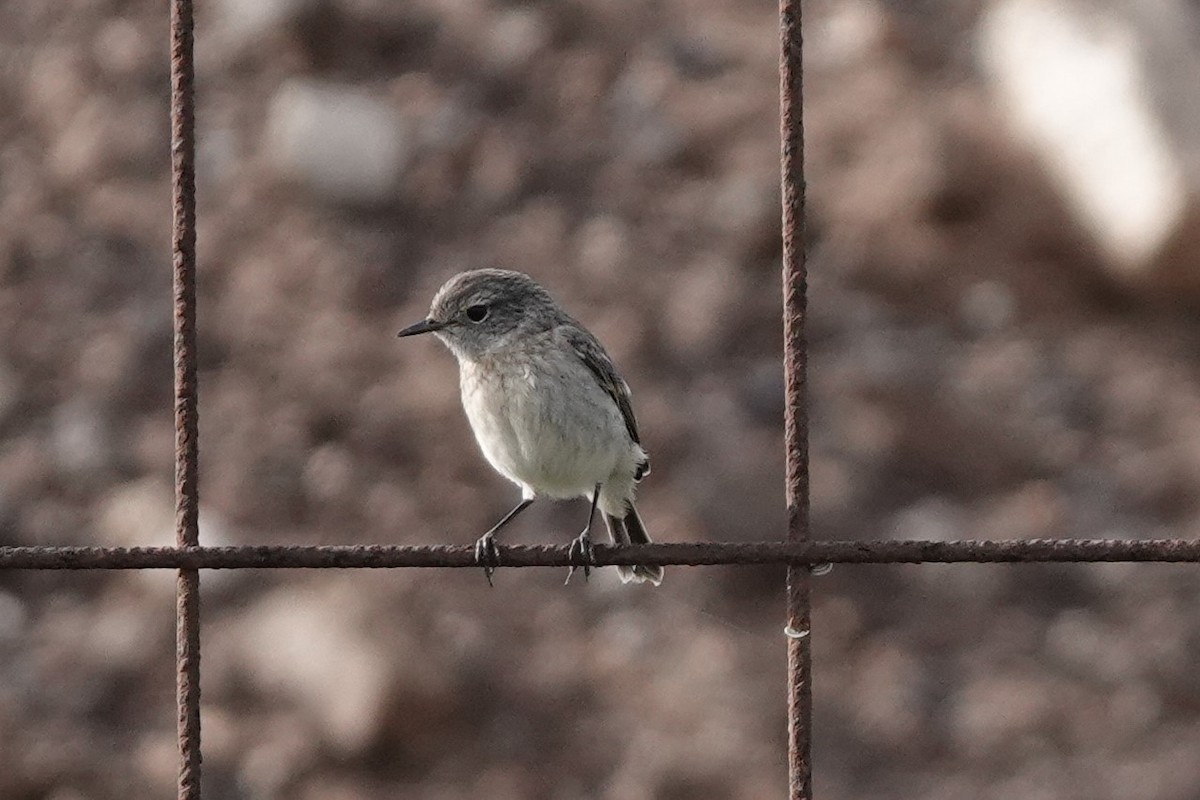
x,y
547,406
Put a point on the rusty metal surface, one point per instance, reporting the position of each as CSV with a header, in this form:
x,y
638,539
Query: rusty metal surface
x,y
183,249
803,553
795,365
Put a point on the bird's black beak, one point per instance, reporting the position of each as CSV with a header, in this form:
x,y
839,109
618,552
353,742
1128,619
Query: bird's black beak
x,y
424,326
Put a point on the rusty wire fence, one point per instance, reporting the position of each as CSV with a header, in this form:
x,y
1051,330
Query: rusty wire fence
x,y
795,549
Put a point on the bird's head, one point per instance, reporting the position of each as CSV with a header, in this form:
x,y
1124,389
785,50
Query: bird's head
x,y
479,311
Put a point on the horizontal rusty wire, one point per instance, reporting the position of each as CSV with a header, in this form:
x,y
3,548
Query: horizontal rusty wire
x,y
662,554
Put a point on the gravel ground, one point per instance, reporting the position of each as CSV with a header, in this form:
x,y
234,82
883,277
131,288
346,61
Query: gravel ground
x,y
973,375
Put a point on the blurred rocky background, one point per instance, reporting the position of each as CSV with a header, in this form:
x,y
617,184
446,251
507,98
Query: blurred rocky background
x,y
1004,259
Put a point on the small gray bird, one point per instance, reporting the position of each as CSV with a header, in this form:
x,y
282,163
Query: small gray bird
x,y
546,404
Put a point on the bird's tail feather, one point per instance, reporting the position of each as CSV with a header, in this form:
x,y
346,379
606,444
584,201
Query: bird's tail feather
x,y
630,530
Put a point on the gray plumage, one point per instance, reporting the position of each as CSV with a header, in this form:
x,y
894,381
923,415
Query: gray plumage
x,y
547,406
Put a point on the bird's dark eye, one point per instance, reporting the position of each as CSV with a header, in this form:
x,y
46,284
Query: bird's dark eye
x,y
477,313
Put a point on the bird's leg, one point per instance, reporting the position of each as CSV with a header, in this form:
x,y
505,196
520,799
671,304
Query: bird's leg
x,y
581,547
486,551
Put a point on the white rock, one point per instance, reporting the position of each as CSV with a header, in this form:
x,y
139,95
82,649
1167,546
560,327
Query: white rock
x,y
1103,95
647,134
515,37
302,644
339,141
242,24
142,514
846,33
80,437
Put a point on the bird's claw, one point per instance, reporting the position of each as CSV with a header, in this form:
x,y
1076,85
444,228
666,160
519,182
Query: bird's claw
x,y
582,555
487,555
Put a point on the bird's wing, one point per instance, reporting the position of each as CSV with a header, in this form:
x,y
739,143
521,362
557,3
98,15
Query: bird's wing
x,y
600,365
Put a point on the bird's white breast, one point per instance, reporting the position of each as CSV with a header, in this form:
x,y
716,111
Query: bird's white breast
x,y
544,423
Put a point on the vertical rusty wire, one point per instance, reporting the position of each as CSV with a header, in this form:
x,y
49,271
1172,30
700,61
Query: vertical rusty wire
x,y
183,245
795,279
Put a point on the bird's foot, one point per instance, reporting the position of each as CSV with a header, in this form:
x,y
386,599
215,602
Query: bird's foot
x,y
582,555
487,555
